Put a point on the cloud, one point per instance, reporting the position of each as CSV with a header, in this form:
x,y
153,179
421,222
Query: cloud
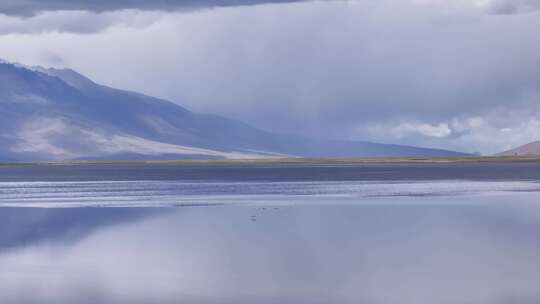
x,y
441,130
332,69
79,22
86,17
31,7
511,7
490,132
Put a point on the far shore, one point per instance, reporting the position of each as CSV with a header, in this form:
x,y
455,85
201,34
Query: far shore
x,y
289,161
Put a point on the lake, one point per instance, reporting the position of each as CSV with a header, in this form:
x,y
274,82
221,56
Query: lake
x,y
362,233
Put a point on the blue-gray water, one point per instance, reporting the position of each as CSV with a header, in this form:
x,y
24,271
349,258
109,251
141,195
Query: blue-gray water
x,y
355,234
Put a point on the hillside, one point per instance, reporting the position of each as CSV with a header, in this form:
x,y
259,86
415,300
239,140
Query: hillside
x,y
530,149
52,114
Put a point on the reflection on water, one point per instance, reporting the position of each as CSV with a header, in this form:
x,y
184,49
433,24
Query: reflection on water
x,y
464,249
162,193
20,227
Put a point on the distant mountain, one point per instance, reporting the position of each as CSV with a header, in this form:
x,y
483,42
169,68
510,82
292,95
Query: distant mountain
x,y
51,114
530,149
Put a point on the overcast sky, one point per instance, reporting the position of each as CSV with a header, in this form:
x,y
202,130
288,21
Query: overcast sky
x,y
456,74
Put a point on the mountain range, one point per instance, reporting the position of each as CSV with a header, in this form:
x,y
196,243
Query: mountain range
x,y
59,114
530,149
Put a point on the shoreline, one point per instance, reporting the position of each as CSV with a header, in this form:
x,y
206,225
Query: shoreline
x,y
286,161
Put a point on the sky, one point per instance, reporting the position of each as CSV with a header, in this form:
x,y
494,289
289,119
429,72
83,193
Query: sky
x,y
453,74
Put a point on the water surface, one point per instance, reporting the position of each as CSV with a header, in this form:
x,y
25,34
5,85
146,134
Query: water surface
x,y
370,239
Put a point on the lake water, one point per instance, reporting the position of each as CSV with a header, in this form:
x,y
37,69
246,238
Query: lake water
x,y
374,234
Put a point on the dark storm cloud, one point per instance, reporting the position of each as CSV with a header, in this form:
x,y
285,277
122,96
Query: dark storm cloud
x,y
31,7
511,7
73,22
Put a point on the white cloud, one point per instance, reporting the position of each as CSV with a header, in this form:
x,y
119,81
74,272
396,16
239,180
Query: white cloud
x,y
492,132
441,130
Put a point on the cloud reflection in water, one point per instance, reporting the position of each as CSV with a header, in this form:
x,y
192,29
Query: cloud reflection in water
x,y
431,250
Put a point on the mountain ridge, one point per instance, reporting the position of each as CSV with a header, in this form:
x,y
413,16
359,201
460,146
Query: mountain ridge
x,y
529,149
53,114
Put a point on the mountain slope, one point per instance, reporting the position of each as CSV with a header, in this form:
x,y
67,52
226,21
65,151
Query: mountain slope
x,y
530,149
60,114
